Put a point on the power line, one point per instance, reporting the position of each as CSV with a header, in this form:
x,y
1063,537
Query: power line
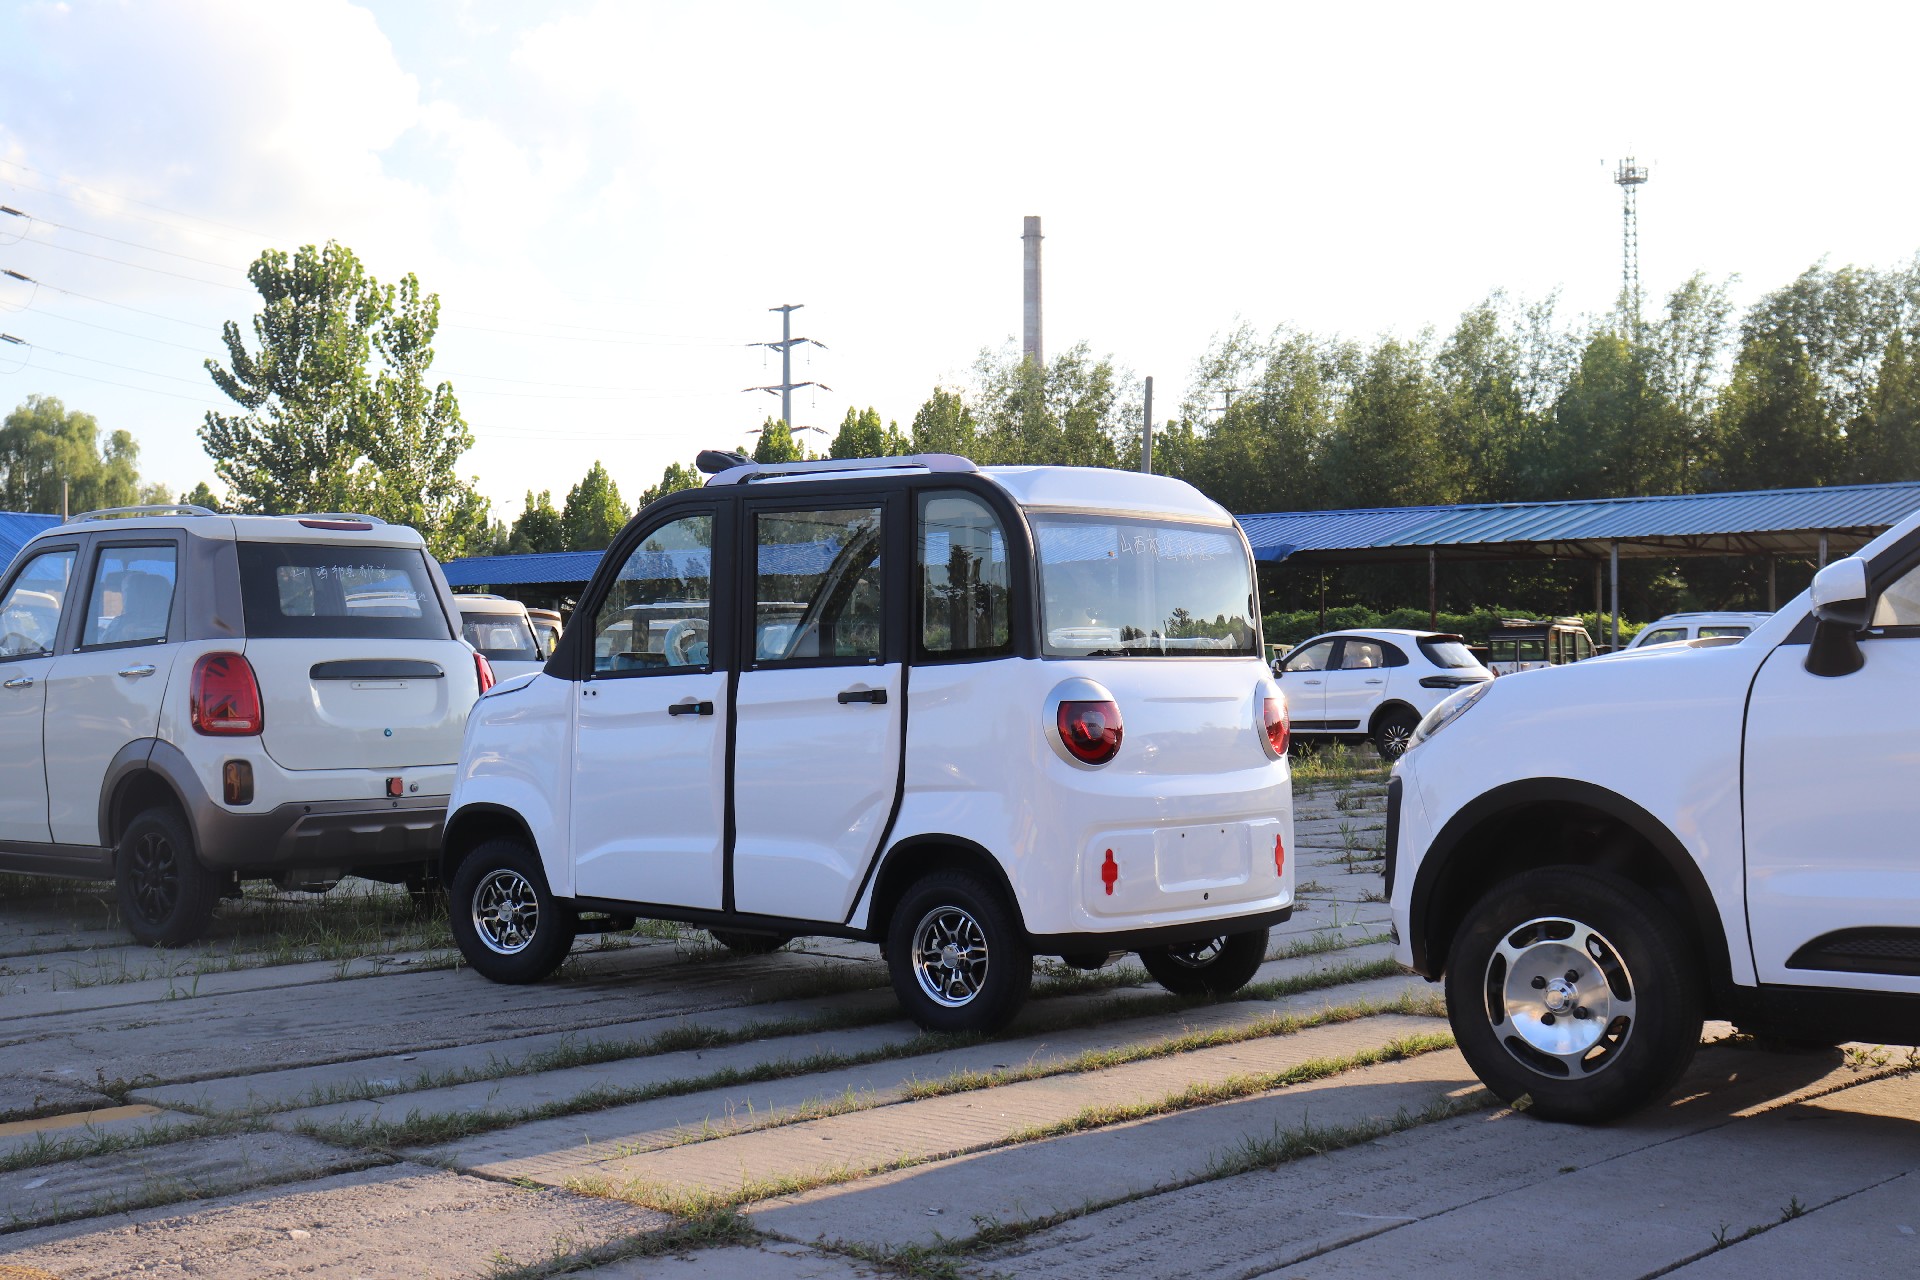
x,y
85,186
139,266
131,244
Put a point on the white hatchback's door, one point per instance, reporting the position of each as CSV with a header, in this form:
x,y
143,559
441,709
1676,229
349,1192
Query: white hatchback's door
x,y
818,712
1832,813
107,691
1356,687
649,773
29,625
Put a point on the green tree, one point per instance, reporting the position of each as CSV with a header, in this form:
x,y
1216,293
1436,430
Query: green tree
x,y
1776,428
1386,449
201,495
44,444
1885,444
593,513
538,527
1615,434
1069,414
861,435
943,424
675,478
776,444
337,413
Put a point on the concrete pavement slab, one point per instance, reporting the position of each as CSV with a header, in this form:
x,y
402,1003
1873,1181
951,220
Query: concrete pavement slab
x,y
955,1199
175,1171
774,1260
52,1134
1875,1232
1258,1221
401,1222
553,1151
936,1127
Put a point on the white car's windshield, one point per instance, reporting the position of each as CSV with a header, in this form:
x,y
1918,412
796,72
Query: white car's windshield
x,y
1114,587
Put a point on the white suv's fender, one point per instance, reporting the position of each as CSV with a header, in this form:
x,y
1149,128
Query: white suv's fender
x,y
516,766
1655,746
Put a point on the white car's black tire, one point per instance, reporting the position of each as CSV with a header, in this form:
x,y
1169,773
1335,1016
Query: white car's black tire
x,y
166,896
1215,967
959,960
1574,993
508,924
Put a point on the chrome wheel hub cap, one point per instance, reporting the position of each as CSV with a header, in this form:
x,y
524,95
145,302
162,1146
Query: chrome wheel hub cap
x,y
506,912
949,956
1559,997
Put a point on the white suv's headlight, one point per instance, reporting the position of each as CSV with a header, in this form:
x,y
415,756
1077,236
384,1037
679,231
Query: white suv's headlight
x,y
1448,711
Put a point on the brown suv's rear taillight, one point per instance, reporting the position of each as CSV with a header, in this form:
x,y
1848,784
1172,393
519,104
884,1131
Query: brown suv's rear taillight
x,y
1090,731
225,699
1273,716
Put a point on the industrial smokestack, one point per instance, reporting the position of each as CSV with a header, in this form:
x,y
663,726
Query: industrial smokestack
x,y
1030,312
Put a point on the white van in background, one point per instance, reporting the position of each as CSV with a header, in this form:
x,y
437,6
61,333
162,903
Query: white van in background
x,y
500,629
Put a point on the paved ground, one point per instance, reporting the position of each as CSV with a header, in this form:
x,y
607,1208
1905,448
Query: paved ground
x,y
321,1092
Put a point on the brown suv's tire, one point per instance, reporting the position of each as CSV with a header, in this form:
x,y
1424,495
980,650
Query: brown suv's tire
x,y
1613,971
1215,967
507,922
992,961
166,896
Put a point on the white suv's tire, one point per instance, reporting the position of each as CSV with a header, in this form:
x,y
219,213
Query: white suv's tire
x,y
1216,967
507,922
166,896
958,958
1574,990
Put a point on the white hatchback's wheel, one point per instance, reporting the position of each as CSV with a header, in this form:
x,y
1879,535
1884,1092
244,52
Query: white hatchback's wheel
x,y
1575,990
950,957
506,912
508,924
956,952
1212,966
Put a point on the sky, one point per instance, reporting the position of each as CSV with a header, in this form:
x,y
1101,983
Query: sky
x,y
609,196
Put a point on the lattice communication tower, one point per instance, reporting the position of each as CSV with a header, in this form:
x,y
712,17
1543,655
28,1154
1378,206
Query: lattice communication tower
x,y
1630,176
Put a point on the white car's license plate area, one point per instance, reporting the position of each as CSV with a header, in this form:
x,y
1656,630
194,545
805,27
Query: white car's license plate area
x,y
1179,868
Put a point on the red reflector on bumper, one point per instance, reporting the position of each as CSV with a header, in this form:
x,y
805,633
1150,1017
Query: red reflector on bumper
x,y
1280,855
1110,873
396,788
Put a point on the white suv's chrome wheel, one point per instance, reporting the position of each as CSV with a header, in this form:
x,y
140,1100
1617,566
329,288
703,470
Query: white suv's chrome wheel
x,y
1559,997
950,956
506,912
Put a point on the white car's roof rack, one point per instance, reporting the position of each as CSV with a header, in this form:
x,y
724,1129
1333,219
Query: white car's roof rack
x,y
145,509
338,515
747,473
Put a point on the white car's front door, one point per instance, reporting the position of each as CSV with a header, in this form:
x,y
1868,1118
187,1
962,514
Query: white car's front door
x,y
106,692
817,739
1832,815
29,624
649,772
1357,686
1303,680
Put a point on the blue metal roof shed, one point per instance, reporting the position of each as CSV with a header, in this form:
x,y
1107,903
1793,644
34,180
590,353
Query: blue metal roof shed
x,y
16,527
1816,523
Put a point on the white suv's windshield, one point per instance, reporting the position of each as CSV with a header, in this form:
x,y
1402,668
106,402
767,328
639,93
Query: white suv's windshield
x,y
1114,587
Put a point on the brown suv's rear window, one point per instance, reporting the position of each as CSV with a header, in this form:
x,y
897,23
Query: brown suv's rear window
x,y
313,590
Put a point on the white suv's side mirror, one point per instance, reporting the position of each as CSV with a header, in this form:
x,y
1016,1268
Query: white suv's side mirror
x,y
1839,596
1840,590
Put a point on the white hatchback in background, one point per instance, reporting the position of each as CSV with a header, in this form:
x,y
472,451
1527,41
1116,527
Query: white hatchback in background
x,y
975,715
503,632
1677,628
188,700
1372,685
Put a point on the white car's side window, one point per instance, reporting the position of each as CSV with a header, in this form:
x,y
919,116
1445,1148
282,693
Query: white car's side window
x,y
30,614
655,614
1666,635
132,596
1311,658
1362,655
1899,604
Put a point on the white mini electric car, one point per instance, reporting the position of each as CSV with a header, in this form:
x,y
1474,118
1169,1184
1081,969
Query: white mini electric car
x,y
972,714
1717,828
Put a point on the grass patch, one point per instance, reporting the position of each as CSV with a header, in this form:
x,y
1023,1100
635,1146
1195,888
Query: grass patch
x,y
720,1228
48,1149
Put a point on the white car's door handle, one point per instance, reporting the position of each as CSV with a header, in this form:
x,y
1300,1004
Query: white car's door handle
x,y
20,682
1376,682
877,697
690,708
134,673
1309,682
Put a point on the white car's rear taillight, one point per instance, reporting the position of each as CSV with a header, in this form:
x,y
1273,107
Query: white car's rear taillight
x,y
1274,728
225,701
484,670
1090,731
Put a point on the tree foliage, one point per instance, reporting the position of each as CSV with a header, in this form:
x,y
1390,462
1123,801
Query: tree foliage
x,y
862,435
538,527
777,444
594,511
337,413
676,477
44,444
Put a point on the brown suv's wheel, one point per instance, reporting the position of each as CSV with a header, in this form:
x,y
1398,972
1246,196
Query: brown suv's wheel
x,y
1575,989
166,896
507,922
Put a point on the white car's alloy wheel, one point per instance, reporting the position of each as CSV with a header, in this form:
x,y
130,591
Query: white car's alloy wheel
x,y
1559,997
506,912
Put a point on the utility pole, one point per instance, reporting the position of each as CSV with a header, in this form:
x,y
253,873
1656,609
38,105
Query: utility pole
x,y
1146,432
787,386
